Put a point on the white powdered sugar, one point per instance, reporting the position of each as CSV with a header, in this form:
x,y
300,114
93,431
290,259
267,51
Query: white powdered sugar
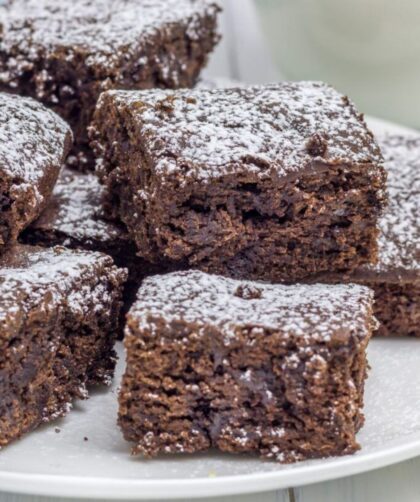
x,y
32,140
315,312
399,240
266,130
75,210
104,32
33,273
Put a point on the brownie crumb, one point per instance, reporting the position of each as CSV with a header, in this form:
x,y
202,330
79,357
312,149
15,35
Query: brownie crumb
x,y
248,292
316,145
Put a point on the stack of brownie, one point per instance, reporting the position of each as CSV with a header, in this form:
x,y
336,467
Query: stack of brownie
x,y
253,222
61,293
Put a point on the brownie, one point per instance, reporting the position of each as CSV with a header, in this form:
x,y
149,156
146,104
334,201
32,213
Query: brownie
x,y
66,53
59,312
276,182
395,278
245,367
33,145
73,218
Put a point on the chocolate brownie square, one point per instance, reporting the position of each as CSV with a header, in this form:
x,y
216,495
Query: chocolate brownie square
x,y
66,53
395,278
59,312
34,143
245,367
73,218
276,182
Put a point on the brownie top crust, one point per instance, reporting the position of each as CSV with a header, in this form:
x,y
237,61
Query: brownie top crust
x,y
74,210
274,130
316,313
399,239
104,33
31,277
33,140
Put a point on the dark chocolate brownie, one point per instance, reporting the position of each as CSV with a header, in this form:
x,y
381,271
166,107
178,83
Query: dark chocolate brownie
x,y
33,145
59,312
245,367
275,182
396,276
73,218
65,53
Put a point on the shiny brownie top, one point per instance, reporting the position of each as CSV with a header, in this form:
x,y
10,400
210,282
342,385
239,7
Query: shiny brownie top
x,y
268,131
314,312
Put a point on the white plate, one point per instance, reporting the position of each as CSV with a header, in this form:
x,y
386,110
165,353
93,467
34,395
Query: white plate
x,y
51,463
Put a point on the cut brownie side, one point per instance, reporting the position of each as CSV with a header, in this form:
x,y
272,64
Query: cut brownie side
x,y
66,53
34,143
275,182
73,218
245,367
396,276
59,312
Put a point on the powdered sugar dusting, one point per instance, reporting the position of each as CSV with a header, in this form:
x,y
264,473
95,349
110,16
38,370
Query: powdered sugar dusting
x,y
105,32
32,139
315,312
75,210
399,241
39,272
265,129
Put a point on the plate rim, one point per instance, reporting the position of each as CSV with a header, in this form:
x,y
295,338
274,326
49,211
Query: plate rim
x,y
53,485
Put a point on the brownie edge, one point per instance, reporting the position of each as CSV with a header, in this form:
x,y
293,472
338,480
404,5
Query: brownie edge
x,y
245,367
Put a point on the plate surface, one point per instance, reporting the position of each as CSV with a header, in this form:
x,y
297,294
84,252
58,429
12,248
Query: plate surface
x,y
84,455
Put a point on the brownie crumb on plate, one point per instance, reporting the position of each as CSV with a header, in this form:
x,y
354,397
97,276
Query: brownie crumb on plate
x,y
59,315
245,367
65,53
34,143
275,182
